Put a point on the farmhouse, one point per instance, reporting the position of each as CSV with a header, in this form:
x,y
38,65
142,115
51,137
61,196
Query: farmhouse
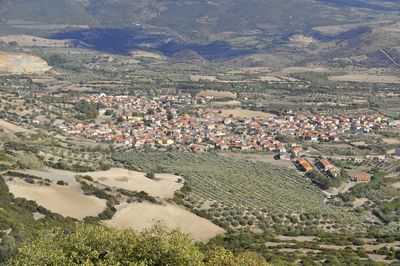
x,y
325,165
305,165
362,178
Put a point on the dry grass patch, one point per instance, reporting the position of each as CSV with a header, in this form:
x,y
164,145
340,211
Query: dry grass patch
x,y
217,94
145,54
366,78
164,186
28,40
69,201
243,113
12,128
201,77
143,215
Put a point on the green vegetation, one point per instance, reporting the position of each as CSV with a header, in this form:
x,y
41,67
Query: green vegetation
x,y
326,182
17,221
99,245
239,194
86,110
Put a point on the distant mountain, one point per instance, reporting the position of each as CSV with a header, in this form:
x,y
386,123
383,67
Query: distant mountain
x,y
214,29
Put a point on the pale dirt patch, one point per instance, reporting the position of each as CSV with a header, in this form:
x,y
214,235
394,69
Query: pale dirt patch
x,y
396,185
69,201
391,141
251,70
164,186
227,103
22,63
13,128
359,202
38,216
196,78
53,175
243,113
260,157
270,79
28,40
296,238
217,94
145,54
366,78
143,215
302,39
292,70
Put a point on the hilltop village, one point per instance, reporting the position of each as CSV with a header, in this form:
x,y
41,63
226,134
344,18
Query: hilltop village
x,y
159,122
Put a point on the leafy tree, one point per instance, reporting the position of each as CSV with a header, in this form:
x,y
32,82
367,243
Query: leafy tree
x,y
89,244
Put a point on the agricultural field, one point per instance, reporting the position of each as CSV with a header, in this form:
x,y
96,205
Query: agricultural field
x,y
226,191
162,185
242,113
67,200
143,215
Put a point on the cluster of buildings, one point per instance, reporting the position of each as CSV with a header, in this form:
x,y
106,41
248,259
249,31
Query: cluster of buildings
x,y
184,122
322,165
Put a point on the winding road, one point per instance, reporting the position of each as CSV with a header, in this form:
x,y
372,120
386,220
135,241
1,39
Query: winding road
x,y
390,58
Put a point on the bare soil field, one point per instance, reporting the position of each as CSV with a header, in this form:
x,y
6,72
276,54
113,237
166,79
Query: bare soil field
x,y
142,215
270,79
145,54
296,238
251,70
243,113
391,141
66,200
196,78
27,40
259,157
12,128
217,94
359,202
164,186
227,103
396,185
291,70
53,175
366,78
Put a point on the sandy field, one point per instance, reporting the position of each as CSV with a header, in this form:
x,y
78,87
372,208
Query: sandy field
x,y
301,39
296,238
366,78
359,202
142,215
201,77
227,103
65,200
145,54
164,186
396,185
53,175
217,94
28,40
391,141
242,113
251,70
270,79
260,157
13,128
291,70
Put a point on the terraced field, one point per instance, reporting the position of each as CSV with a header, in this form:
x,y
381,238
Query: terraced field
x,y
238,193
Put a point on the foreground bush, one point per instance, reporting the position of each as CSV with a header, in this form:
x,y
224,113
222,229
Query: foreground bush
x,y
100,245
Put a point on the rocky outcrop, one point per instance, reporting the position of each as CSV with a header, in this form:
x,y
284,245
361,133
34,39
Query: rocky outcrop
x,y
22,64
